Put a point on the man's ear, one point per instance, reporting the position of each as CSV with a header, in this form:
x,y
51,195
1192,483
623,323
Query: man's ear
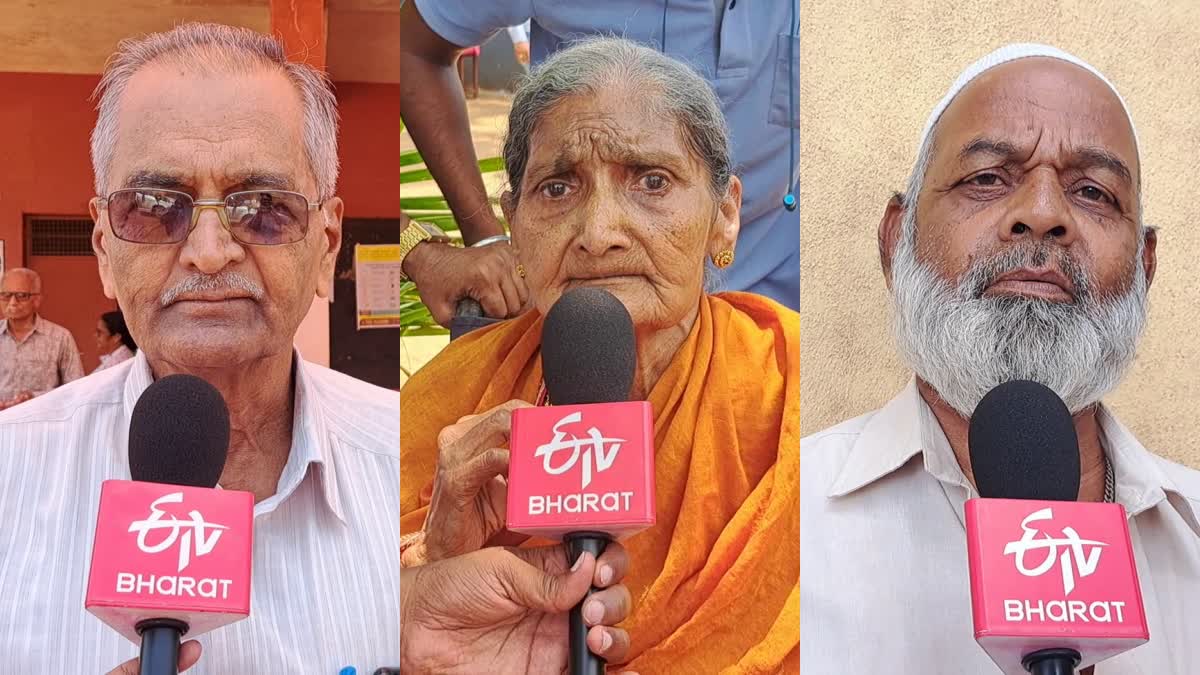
x,y
99,247
1150,254
331,243
889,234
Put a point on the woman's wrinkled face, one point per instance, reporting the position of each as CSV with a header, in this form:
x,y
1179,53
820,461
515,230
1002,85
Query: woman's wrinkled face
x,y
612,197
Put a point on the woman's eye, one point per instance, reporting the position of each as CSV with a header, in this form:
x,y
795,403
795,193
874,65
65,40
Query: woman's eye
x,y
654,182
554,189
1094,194
985,180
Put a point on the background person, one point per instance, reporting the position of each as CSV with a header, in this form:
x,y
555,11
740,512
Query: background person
x,y
113,341
36,355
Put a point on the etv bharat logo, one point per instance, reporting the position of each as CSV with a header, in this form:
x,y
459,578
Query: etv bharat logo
x,y
594,442
1072,559
196,527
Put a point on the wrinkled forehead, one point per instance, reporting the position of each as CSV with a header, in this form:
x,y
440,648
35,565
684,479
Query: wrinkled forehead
x,y
1038,103
210,125
611,126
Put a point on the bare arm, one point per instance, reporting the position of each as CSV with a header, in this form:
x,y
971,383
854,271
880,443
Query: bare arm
x,y
435,114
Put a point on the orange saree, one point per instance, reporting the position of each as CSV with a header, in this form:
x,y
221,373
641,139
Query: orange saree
x,y
715,583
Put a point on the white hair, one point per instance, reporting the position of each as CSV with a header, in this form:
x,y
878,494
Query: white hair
x,y
213,47
34,279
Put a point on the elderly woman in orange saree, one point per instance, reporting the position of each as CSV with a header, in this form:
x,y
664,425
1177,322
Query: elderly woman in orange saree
x,y
619,167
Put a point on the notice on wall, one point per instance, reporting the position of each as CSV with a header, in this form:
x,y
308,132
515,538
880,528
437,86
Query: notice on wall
x,y
377,285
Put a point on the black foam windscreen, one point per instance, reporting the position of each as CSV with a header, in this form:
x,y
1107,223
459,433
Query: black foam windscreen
x,y
1023,444
588,349
179,433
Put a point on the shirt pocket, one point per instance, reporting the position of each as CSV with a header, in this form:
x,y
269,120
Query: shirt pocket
x,y
786,83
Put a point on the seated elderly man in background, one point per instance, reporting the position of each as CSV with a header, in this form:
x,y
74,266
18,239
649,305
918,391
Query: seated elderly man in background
x,y
216,223
1017,253
619,165
36,355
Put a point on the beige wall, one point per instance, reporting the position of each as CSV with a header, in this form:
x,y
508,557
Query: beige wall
x,y
869,75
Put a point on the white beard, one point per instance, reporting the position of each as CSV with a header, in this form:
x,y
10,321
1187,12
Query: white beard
x,y
963,344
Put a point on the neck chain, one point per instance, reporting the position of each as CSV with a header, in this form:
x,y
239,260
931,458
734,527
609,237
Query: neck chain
x,y
1110,481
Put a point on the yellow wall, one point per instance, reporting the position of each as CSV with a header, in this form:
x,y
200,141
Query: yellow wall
x,y
869,75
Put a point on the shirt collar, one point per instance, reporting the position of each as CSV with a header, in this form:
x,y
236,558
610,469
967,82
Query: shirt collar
x,y
906,427
311,451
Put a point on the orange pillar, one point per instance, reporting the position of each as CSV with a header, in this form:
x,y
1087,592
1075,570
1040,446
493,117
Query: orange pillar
x,y
303,26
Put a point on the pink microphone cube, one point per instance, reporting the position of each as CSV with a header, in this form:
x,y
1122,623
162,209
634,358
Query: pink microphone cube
x,y
171,551
1052,574
581,467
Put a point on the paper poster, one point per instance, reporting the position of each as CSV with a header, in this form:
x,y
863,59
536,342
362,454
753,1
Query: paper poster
x,y
377,285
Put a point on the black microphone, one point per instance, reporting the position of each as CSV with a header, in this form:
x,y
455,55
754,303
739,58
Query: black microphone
x,y
179,435
1023,445
588,356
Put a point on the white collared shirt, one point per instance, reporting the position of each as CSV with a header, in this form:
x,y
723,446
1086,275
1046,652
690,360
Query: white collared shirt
x,y
883,573
325,591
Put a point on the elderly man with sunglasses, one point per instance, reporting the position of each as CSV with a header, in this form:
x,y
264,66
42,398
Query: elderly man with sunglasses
x,y
36,355
216,224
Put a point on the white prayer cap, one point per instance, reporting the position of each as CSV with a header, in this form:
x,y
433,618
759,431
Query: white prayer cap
x,y
1008,53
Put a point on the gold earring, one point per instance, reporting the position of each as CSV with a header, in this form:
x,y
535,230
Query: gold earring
x,y
520,270
723,259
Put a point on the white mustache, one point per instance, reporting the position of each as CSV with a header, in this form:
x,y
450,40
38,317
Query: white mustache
x,y
221,281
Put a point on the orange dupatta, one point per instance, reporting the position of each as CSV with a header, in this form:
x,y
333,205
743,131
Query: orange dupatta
x,y
715,583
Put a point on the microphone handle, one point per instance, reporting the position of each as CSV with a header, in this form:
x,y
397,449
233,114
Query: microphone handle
x,y
581,659
468,307
160,646
1056,661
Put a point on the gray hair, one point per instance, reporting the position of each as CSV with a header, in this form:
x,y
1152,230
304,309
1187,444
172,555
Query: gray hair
x,y
35,279
595,64
212,47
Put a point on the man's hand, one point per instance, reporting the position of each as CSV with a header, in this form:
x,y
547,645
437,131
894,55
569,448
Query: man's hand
x,y
521,52
189,654
504,610
446,274
470,489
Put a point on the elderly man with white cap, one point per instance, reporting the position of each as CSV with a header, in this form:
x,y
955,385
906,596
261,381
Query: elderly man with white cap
x,y
1017,252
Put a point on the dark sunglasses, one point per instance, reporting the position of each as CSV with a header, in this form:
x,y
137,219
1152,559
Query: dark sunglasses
x,y
256,217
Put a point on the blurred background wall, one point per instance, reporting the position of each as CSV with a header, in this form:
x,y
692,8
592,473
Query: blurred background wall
x,y
870,73
51,55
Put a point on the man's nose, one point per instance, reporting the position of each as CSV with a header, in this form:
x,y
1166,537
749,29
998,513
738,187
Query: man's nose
x,y
210,247
1040,211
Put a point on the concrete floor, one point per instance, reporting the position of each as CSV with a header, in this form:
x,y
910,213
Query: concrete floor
x,y
489,118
